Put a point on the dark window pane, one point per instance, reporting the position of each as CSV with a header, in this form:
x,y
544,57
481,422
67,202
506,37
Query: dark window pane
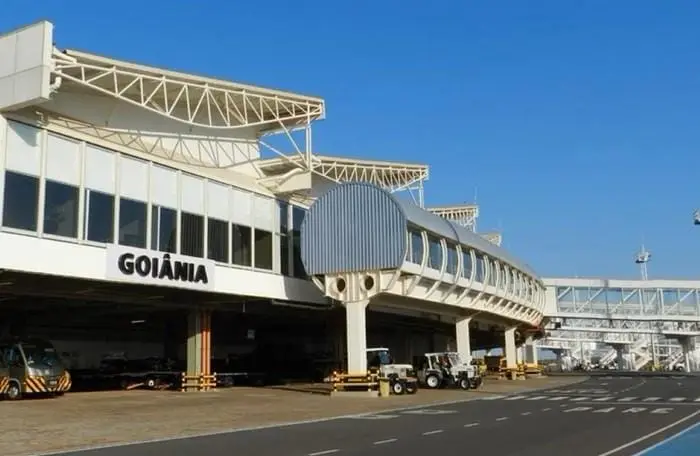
x,y
299,270
451,259
217,240
192,241
163,229
435,253
132,223
466,264
298,214
241,245
61,210
283,215
480,268
99,217
21,201
416,248
284,254
263,249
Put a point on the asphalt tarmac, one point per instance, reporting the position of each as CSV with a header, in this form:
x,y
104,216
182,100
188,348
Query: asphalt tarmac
x,y
603,416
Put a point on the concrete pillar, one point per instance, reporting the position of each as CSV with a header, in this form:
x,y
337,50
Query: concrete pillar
x,y
464,347
356,336
621,361
509,350
199,343
530,350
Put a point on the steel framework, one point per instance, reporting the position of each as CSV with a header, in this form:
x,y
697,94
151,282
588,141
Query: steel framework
x,y
494,237
464,215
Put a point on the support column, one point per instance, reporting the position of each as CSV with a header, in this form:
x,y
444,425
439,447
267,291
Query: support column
x,y
530,350
688,344
509,350
199,343
464,347
356,336
621,361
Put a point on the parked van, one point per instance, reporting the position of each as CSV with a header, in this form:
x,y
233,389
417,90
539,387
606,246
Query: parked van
x,y
31,366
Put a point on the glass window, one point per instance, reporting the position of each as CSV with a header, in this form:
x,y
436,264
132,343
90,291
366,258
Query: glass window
x,y
263,249
192,237
284,254
99,217
217,240
241,245
283,216
21,201
61,209
298,214
480,268
466,264
451,259
435,253
132,223
416,248
491,265
163,229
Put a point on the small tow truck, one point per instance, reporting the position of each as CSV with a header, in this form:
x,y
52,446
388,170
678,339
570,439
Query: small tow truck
x,y
402,377
447,369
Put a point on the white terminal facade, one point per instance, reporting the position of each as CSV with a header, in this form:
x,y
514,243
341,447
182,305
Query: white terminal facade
x,y
132,190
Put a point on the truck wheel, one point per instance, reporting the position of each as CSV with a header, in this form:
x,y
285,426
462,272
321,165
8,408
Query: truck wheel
x,y
151,383
464,383
411,388
432,381
14,392
398,388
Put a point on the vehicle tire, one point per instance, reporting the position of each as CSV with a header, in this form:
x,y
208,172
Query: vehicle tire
x,y
432,381
398,388
411,388
151,383
464,383
14,392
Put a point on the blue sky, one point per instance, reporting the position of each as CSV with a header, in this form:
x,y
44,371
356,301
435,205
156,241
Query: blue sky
x,y
578,121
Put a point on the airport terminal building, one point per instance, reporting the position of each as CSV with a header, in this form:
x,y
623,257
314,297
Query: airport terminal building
x,y
140,218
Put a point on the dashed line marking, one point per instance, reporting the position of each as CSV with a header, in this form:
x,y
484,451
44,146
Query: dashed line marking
x,y
526,413
546,409
503,418
437,431
320,453
382,442
471,425
677,399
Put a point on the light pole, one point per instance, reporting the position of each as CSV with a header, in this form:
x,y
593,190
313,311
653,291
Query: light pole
x,y
643,257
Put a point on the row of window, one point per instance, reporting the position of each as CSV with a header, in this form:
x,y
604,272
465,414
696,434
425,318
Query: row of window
x,y
170,230
626,295
488,271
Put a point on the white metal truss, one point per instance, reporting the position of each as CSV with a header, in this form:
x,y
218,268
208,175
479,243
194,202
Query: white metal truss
x,y
206,106
184,98
391,176
493,237
464,215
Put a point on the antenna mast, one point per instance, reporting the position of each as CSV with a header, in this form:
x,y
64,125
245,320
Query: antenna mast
x,y
642,258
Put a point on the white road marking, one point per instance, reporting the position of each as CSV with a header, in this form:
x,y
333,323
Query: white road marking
x,y
605,410
429,412
651,399
382,442
578,409
578,399
697,400
661,411
634,410
558,398
437,431
526,413
536,398
492,398
319,453
651,434
604,384
546,409
677,399
503,418
627,399
604,399
514,398
373,417
471,425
